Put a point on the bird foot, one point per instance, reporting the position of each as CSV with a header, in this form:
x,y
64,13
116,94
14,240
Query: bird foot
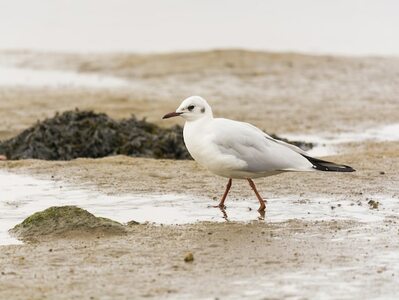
x,y
262,208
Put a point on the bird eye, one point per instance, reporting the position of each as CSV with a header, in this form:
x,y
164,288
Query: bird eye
x,y
190,108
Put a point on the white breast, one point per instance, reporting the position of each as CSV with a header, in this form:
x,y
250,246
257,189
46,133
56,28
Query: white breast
x,y
198,138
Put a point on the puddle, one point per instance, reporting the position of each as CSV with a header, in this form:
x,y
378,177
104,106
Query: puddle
x,y
326,143
12,76
23,195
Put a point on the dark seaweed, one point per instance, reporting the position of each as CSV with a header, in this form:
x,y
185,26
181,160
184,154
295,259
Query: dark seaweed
x,y
303,145
74,134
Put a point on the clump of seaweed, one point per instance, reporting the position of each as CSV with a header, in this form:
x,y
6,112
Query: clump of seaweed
x,y
75,134
303,145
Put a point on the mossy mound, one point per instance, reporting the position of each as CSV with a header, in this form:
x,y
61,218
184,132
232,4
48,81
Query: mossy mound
x,y
65,221
74,134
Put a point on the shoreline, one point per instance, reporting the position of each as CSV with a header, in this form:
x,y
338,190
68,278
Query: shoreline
x,y
297,258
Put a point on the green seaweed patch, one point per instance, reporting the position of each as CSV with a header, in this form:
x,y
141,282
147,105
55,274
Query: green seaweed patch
x,y
65,221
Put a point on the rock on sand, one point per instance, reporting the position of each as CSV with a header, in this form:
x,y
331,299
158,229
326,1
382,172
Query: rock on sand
x,y
65,222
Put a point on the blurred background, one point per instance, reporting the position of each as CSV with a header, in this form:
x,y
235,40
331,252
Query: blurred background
x,y
295,60
349,27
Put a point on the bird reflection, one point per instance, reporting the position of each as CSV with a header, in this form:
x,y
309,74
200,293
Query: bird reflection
x,y
261,216
223,210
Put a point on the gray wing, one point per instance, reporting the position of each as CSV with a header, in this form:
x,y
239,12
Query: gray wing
x,y
259,151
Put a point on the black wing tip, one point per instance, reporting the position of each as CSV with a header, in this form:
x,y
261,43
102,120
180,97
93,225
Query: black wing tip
x,y
327,166
340,168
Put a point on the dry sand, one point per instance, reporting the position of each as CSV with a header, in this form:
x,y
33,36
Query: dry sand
x,y
281,93
314,93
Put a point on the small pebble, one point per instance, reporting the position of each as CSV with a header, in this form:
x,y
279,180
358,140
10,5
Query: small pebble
x,y
189,257
373,204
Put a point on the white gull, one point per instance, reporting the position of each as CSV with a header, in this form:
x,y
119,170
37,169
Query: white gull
x,y
240,150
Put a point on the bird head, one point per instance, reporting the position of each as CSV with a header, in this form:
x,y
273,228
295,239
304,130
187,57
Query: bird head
x,y
191,109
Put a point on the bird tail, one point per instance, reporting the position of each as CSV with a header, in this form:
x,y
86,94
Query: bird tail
x,y
328,166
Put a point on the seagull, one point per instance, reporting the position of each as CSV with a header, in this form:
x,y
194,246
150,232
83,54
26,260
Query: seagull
x,y
238,150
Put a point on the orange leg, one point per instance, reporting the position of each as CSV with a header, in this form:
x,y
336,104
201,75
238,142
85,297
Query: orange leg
x,y
221,203
261,201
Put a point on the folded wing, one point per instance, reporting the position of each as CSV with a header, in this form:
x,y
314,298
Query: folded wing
x,y
259,151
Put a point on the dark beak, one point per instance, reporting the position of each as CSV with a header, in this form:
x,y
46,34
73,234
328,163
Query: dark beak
x,y
170,115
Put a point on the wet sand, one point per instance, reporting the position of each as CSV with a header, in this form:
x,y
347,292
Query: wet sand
x,y
295,259
299,260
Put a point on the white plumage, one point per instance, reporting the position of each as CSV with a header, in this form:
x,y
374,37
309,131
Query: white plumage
x,y
240,150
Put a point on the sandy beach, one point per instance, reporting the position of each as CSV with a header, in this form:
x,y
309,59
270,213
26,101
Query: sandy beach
x,y
340,257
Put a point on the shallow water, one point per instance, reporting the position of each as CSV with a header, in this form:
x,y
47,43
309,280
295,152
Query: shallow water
x,y
17,77
328,143
22,195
